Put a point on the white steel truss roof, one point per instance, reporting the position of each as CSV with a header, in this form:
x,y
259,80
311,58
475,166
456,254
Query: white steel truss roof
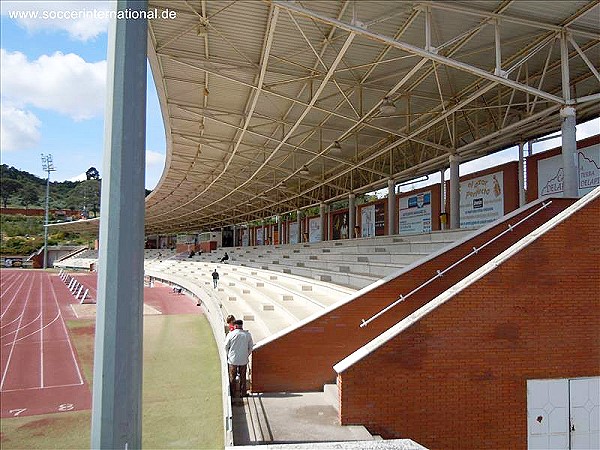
x,y
254,94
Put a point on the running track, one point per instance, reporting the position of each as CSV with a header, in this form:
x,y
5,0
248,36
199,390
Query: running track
x,y
39,367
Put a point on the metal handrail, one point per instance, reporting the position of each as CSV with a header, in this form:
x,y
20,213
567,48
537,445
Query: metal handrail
x,y
440,273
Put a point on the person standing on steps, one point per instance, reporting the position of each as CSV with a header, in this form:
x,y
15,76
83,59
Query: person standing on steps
x,y
238,346
215,277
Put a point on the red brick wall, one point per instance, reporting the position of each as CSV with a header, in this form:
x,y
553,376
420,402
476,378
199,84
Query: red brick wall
x,y
303,359
458,377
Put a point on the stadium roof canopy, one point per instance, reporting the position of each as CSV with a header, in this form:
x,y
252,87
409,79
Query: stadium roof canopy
x,y
274,106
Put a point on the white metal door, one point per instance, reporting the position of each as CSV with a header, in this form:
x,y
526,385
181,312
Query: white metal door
x,y
563,414
548,414
584,395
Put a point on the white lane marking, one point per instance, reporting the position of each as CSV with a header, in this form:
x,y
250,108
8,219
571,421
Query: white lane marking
x,y
12,345
19,289
33,332
45,387
22,327
42,331
66,334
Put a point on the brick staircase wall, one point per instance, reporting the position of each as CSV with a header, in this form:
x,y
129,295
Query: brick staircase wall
x,y
457,378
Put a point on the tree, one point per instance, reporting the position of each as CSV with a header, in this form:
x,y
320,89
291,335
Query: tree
x,y
92,174
29,196
9,187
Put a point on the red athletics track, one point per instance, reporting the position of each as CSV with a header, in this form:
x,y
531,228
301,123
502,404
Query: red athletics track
x,y
39,368
160,297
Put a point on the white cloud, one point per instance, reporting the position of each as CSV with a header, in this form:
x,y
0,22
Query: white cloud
x,y
155,164
63,83
19,129
80,177
81,20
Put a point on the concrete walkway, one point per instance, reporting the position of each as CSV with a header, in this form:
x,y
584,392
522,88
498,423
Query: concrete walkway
x,y
306,420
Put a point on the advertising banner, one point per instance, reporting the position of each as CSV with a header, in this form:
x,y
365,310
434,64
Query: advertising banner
x,y
314,229
379,219
415,213
589,169
340,226
245,237
293,232
550,176
259,236
367,221
481,200
551,173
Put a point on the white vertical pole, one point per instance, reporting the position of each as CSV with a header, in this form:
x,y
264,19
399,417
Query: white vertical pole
x,y
322,222
443,225
454,193
299,222
351,215
391,207
117,391
569,152
521,174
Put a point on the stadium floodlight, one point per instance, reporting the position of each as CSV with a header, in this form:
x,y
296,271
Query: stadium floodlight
x,y
47,166
304,170
387,106
336,148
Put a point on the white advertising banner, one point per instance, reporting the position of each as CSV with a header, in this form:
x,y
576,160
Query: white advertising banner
x,y
259,236
415,213
245,237
314,229
589,169
551,173
481,200
550,176
367,221
293,232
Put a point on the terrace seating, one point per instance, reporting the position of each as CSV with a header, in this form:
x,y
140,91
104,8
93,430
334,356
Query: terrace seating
x,y
353,263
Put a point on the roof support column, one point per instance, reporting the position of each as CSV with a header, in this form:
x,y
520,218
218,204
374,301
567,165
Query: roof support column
x,y
117,391
279,230
454,193
322,222
521,174
443,216
391,207
299,222
234,236
351,214
569,152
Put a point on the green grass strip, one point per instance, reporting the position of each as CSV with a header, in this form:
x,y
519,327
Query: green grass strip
x,y
182,406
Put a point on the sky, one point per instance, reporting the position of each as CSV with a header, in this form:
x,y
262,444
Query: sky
x,y
53,89
53,93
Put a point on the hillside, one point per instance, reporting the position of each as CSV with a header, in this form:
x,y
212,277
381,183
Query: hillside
x,y
23,233
23,190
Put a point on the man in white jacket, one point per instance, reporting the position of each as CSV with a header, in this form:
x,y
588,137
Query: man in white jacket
x,y
238,346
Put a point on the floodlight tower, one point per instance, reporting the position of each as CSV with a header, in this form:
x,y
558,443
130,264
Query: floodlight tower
x,y
47,166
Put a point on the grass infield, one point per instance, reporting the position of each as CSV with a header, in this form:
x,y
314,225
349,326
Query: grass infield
x,y
182,406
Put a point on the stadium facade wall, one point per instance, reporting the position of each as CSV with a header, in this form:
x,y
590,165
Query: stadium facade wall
x,y
457,378
302,359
